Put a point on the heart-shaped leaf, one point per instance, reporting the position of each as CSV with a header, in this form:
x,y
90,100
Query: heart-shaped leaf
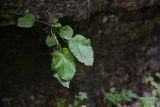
x,y
64,64
50,41
81,49
66,32
26,21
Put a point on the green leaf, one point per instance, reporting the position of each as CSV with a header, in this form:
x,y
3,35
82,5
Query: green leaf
x,y
158,75
147,101
50,41
147,79
155,84
82,96
81,49
128,95
55,23
113,98
158,93
66,32
26,21
76,103
61,102
55,20
113,90
64,64
70,105
64,83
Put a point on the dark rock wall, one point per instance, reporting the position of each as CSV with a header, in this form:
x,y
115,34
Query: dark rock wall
x,y
44,9
74,9
125,39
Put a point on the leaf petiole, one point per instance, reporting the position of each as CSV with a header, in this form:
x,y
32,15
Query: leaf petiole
x,y
43,22
53,34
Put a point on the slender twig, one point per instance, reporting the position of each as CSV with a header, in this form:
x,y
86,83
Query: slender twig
x,y
43,22
53,34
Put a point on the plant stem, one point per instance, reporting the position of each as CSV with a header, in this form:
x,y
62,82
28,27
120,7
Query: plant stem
x,y
53,34
43,22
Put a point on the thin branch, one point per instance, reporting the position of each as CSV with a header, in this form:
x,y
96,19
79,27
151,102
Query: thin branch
x,y
55,38
43,22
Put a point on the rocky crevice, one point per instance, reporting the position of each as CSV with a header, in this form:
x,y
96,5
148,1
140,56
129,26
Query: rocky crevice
x,y
76,10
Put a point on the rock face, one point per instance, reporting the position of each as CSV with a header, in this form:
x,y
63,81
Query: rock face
x,y
133,4
125,38
44,9
72,9
124,52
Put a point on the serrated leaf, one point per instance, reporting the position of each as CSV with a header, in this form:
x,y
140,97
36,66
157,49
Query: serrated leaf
x,y
64,83
81,49
26,21
50,41
64,64
66,32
